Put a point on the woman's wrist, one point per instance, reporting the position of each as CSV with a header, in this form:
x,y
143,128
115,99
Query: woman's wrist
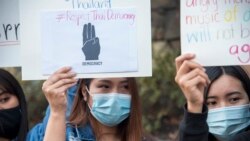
x,y
58,114
194,107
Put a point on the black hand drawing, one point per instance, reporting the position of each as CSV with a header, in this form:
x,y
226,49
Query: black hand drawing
x,y
91,46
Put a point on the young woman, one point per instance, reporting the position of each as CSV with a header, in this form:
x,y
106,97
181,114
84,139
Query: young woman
x,y
104,109
217,106
13,110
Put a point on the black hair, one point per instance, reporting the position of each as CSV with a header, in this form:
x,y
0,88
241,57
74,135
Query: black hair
x,y
87,82
13,87
235,71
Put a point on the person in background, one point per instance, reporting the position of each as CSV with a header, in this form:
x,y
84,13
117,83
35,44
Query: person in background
x,y
217,98
13,109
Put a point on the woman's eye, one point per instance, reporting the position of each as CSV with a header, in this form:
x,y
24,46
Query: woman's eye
x,y
125,86
124,89
4,100
234,100
211,103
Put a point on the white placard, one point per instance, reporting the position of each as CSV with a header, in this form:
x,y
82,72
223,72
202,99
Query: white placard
x,y
217,31
31,32
94,41
9,34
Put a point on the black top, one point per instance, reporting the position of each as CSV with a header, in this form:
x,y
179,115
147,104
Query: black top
x,y
194,126
245,136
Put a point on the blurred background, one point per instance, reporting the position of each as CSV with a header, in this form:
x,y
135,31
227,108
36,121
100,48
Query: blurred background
x,y
161,98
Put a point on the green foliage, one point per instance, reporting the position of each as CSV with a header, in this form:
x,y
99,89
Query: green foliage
x,y
160,95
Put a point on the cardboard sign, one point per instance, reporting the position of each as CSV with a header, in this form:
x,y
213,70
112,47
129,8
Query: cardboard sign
x,y
217,31
9,34
125,51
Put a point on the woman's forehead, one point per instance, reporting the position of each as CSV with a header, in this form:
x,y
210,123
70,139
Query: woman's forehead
x,y
224,85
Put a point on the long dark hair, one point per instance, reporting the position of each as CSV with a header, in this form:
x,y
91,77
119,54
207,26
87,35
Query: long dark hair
x,y
129,130
235,71
13,87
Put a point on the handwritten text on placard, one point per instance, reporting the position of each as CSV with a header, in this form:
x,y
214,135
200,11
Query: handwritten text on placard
x,y
9,34
94,15
221,26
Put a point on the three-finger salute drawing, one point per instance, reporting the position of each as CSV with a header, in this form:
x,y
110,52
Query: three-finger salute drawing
x,y
91,46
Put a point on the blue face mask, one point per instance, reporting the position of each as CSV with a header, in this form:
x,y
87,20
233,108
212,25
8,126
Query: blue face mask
x,y
110,109
226,122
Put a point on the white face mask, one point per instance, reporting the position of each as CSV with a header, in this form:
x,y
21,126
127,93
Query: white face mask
x,y
228,121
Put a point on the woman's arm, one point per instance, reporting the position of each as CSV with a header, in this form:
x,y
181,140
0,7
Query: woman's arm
x,y
194,127
55,92
192,79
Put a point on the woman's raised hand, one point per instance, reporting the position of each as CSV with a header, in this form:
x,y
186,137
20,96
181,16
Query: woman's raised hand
x,y
55,88
192,79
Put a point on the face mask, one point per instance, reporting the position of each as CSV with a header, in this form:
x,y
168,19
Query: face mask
x,y
228,121
9,122
110,109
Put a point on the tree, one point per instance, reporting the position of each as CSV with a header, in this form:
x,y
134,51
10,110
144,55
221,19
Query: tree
x,y
162,100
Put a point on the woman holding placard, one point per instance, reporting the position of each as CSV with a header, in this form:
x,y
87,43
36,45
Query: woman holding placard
x,y
103,109
13,110
217,106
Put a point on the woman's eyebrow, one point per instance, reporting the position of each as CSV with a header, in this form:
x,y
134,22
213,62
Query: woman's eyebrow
x,y
104,80
233,93
124,81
